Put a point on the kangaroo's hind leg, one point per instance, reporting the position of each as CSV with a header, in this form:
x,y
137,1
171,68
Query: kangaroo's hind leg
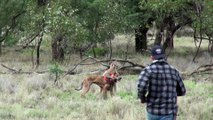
x,y
86,87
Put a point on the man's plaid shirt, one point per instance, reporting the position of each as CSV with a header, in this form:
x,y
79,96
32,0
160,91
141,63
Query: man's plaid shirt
x,y
159,85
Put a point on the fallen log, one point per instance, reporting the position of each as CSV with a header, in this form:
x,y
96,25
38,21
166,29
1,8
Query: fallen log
x,y
11,69
124,67
203,69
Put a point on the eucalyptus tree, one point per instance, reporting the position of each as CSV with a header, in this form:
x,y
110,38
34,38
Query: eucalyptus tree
x,y
22,21
75,24
100,19
203,23
208,23
60,26
169,16
32,26
140,20
10,12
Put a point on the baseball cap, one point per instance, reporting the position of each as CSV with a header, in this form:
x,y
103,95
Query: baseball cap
x,y
158,52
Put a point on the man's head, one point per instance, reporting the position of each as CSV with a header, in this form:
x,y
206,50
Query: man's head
x,y
157,52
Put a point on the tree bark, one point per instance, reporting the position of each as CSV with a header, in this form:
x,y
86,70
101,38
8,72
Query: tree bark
x,y
158,37
170,31
94,53
58,48
141,39
160,32
0,44
42,2
38,51
0,48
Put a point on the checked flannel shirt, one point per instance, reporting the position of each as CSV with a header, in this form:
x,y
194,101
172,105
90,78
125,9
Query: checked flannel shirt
x,y
159,85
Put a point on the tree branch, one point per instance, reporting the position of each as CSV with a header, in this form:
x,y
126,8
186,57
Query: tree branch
x,y
11,69
203,68
13,24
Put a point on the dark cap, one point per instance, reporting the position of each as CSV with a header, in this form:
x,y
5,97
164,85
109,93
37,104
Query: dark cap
x,y
158,52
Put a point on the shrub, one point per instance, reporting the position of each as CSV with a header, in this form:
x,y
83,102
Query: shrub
x,y
98,51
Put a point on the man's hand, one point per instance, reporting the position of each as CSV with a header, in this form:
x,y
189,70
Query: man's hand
x,y
143,100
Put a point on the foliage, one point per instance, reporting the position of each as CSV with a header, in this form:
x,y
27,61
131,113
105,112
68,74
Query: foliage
x,y
203,17
59,18
98,51
10,12
55,69
86,23
10,40
99,18
180,10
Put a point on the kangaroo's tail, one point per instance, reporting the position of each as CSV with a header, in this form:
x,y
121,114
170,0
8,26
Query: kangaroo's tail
x,y
79,87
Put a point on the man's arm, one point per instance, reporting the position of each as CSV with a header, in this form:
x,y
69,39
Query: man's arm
x,y
143,85
180,88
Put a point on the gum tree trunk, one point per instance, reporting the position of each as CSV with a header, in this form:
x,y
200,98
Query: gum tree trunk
x,y
141,39
58,48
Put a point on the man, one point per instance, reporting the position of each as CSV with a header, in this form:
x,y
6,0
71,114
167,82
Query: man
x,y
158,86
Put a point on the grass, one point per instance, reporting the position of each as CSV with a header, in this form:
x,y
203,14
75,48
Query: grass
x,y
197,104
33,96
65,103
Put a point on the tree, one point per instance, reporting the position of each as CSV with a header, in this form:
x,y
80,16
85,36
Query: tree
x,y
141,22
79,25
169,16
99,18
32,25
9,15
61,26
203,23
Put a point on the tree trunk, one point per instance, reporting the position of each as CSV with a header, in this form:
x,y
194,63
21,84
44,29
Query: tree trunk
x,y
42,2
38,51
40,38
0,43
58,48
169,40
54,49
141,39
0,48
81,54
160,32
159,37
94,53
171,29
210,46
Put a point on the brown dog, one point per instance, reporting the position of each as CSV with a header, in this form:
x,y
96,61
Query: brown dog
x,y
103,84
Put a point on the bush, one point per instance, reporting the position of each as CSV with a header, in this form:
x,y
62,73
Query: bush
x,y
98,52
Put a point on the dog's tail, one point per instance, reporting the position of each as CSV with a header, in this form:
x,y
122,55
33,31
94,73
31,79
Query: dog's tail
x,y
79,87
